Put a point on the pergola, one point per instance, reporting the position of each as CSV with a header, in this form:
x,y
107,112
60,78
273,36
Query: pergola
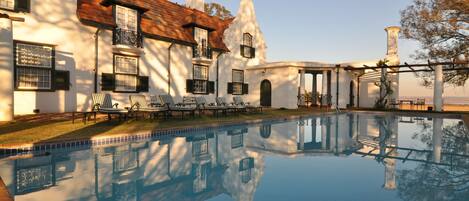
x,y
437,67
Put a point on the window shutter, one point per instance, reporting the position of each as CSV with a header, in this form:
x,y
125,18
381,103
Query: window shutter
x,y
253,52
62,80
189,86
242,50
230,88
245,88
23,5
211,87
143,84
107,82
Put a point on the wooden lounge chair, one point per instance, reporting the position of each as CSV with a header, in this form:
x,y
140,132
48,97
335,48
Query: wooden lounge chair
x,y
140,105
221,101
168,101
102,103
238,101
202,105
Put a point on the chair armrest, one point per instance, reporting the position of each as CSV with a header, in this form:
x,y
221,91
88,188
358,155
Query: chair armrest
x,y
95,107
212,104
115,105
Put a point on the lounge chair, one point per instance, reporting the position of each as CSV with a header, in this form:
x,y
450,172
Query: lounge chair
x,y
202,105
221,101
102,103
155,101
140,105
238,101
180,107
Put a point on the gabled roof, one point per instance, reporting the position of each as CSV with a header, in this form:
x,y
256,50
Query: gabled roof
x,y
161,19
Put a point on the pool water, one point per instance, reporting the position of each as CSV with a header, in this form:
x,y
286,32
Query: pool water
x,y
352,156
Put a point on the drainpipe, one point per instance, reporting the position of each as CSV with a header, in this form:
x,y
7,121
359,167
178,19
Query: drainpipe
x,y
96,62
169,67
218,67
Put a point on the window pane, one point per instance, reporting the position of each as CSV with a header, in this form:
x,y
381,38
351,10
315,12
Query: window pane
x,y
8,4
33,78
238,76
247,39
237,88
200,72
126,83
200,86
128,65
33,55
126,18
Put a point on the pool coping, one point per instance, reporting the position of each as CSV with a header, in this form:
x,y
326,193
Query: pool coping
x,y
30,148
21,150
4,194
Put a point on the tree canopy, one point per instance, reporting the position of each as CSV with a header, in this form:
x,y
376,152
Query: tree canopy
x,y
215,9
442,29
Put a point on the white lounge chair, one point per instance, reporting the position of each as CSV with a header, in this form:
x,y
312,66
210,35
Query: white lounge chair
x,y
202,105
173,107
238,101
140,105
102,103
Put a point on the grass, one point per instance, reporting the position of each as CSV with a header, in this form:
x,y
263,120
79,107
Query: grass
x,y
27,132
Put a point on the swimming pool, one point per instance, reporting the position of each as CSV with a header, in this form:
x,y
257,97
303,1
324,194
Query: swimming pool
x,y
352,156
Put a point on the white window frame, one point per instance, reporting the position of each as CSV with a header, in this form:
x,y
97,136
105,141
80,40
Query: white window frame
x,y
201,37
34,68
7,4
237,84
200,79
129,20
126,80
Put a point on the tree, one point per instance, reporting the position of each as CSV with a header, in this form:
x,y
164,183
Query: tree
x,y
218,10
442,29
385,87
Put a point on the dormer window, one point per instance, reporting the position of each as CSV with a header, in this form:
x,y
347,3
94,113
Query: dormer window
x,y
127,31
247,48
202,49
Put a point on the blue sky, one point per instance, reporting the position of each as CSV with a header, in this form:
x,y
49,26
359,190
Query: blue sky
x,y
334,31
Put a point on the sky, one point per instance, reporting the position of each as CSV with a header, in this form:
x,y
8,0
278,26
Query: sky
x,y
335,31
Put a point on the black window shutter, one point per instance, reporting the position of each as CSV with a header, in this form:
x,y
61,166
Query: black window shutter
x,y
242,50
211,87
107,82
143,84
62,80
230,88
253,52
189,86
23,5
245,88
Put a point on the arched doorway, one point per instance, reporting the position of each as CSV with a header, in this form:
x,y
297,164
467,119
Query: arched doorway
x,y
352,95
266,93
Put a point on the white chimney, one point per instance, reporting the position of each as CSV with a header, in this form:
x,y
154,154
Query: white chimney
x,y
196,4
393,36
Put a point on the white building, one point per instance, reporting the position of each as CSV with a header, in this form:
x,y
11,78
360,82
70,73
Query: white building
x,y
66,50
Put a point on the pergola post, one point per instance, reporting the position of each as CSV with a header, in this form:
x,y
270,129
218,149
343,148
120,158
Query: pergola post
x,y
438,89
301,134
302,87
6,69
324,87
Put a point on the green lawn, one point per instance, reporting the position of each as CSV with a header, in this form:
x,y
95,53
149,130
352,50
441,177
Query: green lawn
x,y
17,133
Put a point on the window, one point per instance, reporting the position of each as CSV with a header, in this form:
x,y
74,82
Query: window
x,y
237,141
200,82
245,168
247,48
127,30
201,37
126,18
34,66
238,82
7,4
126,73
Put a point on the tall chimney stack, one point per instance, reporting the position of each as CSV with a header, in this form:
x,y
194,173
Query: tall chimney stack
x,y
196,4
392,54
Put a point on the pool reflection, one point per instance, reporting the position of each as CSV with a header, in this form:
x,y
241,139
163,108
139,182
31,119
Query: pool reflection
x,y
232,161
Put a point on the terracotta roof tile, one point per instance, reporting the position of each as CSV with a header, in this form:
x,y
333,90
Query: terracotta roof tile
x,y
164,19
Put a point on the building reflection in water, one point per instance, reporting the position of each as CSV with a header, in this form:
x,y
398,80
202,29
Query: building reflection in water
x,y
231,161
